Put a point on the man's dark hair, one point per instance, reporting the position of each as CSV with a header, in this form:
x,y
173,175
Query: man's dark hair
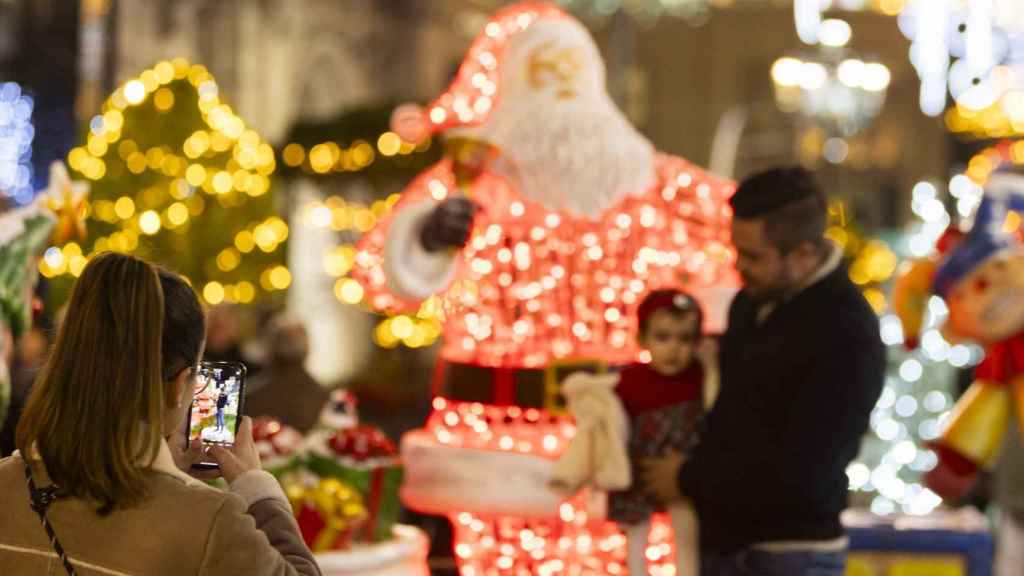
x,y
790,201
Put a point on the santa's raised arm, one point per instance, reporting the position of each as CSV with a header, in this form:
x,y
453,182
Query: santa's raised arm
x,y
551,215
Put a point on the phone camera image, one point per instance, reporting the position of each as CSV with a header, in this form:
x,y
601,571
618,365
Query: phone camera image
x,y
217,404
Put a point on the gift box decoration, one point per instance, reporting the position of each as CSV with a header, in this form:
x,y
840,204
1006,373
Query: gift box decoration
x,y
277,444
366,459
330,513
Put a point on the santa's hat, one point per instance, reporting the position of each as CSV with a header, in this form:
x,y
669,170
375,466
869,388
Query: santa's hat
x,y
474,92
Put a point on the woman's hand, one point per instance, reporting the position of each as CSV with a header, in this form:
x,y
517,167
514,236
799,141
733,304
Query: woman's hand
x,y
240,458
184,457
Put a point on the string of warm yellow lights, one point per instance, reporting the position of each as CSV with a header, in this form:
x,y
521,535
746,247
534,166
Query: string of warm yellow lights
x,y
1003,119
413,330
252,159
327,157
872,261
982,164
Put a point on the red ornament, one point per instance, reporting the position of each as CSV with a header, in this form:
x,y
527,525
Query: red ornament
x,y
274,438
362,442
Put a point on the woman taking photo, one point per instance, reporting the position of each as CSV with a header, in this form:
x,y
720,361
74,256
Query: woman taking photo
x,y
96,488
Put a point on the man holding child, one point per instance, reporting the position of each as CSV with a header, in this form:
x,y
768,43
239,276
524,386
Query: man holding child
x,y
802,366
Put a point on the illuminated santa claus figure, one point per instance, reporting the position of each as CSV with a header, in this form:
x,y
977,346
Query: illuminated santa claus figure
x,y
539,232
547,251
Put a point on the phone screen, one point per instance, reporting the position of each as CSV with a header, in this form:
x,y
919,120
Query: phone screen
x,y
217,404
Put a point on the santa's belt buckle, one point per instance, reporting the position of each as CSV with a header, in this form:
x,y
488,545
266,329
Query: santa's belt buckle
x,y
555,374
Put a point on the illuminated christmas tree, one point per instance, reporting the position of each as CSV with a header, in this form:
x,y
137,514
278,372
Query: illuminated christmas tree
x,y
179,179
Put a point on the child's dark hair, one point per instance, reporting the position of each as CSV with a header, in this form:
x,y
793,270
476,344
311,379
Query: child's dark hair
x,y
677,302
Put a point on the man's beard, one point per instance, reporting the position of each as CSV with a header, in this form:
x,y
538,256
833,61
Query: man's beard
x,y
578,155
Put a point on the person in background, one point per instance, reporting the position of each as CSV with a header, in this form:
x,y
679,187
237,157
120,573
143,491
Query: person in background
x,y
24,326
99,484
223,335
222,402
1008,492
29,354
802,365
284,388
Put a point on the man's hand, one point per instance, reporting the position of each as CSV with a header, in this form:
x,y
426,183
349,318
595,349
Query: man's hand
x,y
448,225
661,477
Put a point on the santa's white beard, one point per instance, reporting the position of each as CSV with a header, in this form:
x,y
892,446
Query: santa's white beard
x,y
578,155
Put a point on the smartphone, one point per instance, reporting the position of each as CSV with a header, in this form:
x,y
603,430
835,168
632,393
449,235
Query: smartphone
x,y
216,407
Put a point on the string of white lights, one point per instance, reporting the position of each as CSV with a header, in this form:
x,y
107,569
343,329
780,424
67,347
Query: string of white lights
x,y
16,134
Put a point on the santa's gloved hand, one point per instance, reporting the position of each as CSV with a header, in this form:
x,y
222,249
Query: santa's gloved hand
x,y
448,225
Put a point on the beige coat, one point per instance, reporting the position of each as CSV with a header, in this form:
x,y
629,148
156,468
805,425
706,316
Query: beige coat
x,y
184,527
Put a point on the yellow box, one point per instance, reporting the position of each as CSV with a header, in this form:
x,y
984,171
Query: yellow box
x,y
895,564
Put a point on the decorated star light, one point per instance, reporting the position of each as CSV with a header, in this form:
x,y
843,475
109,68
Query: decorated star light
x,y
67,199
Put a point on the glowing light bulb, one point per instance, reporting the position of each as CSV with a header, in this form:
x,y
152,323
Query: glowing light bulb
x,y
149,222
834,33
135,92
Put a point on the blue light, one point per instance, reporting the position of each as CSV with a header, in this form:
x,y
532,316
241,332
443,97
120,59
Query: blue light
x,y
9,91
96,125
16,134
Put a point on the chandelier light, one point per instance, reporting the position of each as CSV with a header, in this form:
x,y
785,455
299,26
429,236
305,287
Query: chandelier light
x,y
832,87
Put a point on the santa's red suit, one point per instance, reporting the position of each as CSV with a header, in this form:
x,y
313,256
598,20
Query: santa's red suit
x,y
578,218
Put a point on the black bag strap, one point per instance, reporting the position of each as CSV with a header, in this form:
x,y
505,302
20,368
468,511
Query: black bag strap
x,y
41,498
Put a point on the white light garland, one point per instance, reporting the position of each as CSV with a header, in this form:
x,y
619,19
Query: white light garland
x,y
984,38
915,400
16,134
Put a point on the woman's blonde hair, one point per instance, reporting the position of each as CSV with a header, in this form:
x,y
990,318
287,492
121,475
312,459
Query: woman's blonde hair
x,y
95,415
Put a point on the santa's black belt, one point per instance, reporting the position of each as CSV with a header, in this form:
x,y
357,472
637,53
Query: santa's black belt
x,y
527,387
